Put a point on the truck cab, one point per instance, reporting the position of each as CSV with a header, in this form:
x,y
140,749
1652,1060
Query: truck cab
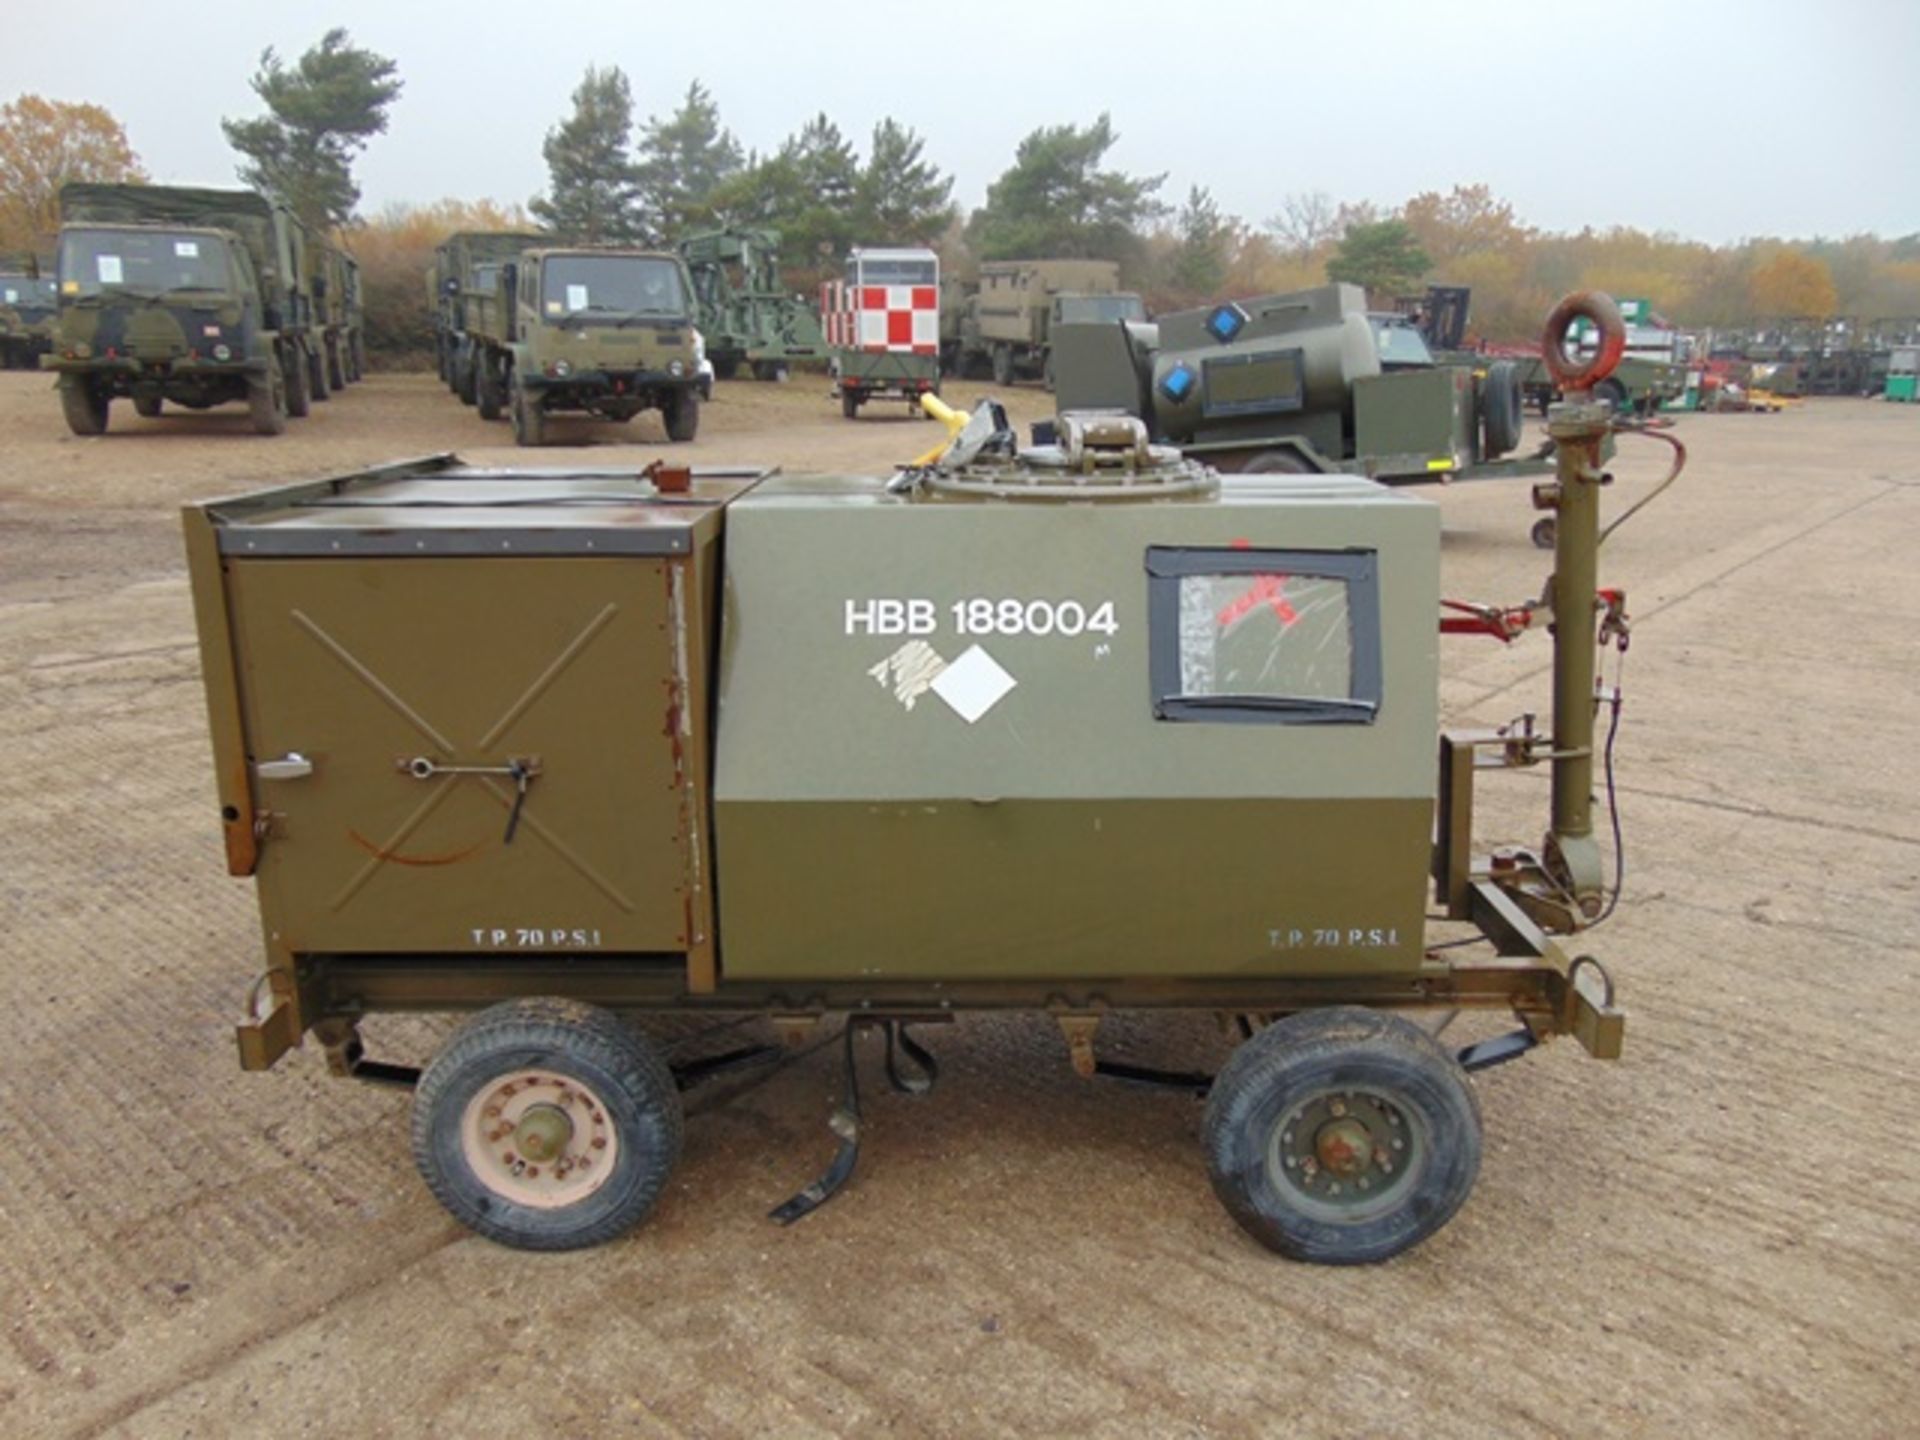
x,y
607,333
27,305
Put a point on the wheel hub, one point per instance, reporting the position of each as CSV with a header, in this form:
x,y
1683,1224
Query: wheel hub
x,y
539,1139
543,1132
1345,1154
1344,1147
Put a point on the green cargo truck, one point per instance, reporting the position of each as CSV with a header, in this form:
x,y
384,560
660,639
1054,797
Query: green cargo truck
x,y
28,302
1002,322
182,296
598,332
466,268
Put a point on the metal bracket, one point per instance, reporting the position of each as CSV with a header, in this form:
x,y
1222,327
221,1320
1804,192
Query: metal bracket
x,y
1485,1054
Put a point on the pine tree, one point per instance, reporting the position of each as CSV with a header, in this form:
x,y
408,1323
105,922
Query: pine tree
x,y
903,199
592,193
684,160
1199,262
1055,200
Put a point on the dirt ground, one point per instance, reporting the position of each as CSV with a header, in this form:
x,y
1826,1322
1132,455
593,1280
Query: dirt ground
x,y
1718,1235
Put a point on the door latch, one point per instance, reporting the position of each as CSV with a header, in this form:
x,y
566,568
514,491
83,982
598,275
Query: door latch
x,y
290,766
519,770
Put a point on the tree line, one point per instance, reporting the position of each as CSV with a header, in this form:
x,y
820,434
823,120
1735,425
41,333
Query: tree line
x,y
617,179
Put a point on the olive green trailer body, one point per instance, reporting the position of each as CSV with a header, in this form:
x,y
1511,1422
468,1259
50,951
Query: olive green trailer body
x,y
28,303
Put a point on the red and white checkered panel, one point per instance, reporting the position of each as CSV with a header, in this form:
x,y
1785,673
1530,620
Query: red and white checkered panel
x,y
903,319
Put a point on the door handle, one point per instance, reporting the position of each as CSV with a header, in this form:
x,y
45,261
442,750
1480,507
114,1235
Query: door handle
x,y
291,766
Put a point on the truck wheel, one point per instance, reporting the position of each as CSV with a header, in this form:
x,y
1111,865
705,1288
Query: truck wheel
x,y
357,357
849,403
1342,1136
774,371
1500,409
147,407
317,363
547,1125
267,402
1610,389
299,402
1545,533
1003,365
336,367
486,390
85,404
529,420
682,414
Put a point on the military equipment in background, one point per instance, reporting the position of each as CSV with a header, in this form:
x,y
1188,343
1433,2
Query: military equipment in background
x,y
465,273
746,316
1903,374
1305,382
339,322
1002,323
1026,743
599,332
883,322
28,302
190,297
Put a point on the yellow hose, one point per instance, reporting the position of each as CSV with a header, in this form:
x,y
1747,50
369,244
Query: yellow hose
x,y
954,420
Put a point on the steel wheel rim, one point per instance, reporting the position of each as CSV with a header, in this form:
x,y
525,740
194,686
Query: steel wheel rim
x,y
1313,1154
539,1139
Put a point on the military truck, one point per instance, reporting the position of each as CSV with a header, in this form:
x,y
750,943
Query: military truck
x,y
1027,743
334,280
28,301
746,316
1004,322
467,265
883,322
601,332
1307,382
184,296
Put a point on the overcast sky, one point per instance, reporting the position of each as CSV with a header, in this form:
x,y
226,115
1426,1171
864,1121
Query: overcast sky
x,y
1714,120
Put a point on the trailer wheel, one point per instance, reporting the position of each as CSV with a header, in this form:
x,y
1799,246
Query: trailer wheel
x,y
547,1125
299,401
1342,1136
318,362
147,407
1610,389
267,402
849,403
529,420
1545,533
1002,364
1500,408
85,404
467,375
682,414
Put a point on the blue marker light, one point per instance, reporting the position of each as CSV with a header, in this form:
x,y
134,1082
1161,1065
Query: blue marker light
x,y
1225,322
1178,383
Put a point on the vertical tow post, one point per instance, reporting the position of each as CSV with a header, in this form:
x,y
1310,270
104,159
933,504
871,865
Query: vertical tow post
x,y
1578,427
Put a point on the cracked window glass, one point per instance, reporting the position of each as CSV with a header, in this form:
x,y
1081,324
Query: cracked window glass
x,y
1267,635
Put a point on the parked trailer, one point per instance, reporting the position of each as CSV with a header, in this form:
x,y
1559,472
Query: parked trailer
x,y
883,322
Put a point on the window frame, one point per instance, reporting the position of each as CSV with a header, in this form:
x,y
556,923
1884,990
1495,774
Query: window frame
x,y
1168,565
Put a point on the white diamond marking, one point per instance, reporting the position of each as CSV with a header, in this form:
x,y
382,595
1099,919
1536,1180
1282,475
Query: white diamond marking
x,y
973,684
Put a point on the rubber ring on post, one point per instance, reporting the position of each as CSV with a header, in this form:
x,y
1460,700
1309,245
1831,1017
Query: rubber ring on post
x,y
1597,307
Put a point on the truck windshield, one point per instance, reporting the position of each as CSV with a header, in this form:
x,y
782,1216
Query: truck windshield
x,y
485,277
897,272
612,285
27,293
145,262
1101,309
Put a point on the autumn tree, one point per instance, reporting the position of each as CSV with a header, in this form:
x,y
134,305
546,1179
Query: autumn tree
x,y
395,247
1306,222
1197,266
44,144
1056,201
684,160
593,184
1381,256
1788,283
321,112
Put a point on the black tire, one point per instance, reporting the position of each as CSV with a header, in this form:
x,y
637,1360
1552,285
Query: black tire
x,y
317,364
1545,533
336,366
487,390
529,420
1003,365
1277,462
357,357
299,400
1501,408
1347,1072
440,365
267,402
147,407
1612,390
726,369
682,414
85,404
849,404
638,1118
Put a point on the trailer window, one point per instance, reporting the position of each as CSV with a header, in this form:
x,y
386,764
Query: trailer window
x,y
1101,309
1287,637
898,272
